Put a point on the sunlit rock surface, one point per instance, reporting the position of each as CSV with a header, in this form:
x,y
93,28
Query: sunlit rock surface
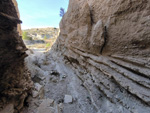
x,y
107,43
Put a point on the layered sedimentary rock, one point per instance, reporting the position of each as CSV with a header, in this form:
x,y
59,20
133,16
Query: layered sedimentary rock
x,y
15,83
108,44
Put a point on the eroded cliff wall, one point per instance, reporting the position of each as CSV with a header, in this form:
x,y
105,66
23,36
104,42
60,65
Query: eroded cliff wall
x,y
15,82
17,10
107,43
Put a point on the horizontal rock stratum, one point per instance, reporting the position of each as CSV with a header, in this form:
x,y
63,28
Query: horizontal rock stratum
x,y
107,43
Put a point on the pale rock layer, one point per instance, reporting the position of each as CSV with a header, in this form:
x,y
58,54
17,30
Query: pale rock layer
x,y
107,43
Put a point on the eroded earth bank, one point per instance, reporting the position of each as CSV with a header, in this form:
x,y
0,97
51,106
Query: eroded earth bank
x,y
100,62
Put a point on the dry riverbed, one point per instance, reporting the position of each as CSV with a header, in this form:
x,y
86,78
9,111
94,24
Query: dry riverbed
x,y
57,89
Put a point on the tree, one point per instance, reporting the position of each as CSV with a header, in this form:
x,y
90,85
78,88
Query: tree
x,y
62,12
25,36
45,37
48,45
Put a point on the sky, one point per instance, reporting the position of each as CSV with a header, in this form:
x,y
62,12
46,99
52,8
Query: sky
x,y
41,13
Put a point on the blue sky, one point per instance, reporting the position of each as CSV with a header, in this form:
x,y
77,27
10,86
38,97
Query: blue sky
x,y
41,13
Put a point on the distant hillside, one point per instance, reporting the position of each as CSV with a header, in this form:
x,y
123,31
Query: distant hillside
x,y
40,33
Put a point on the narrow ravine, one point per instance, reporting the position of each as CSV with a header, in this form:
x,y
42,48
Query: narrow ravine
x,y
54,80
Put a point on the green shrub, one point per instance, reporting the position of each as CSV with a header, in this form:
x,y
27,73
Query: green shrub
x,y
45,37
48,45
25,36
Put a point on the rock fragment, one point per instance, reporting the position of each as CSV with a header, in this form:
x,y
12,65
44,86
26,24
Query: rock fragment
x,y
68,99
38,90
46,106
